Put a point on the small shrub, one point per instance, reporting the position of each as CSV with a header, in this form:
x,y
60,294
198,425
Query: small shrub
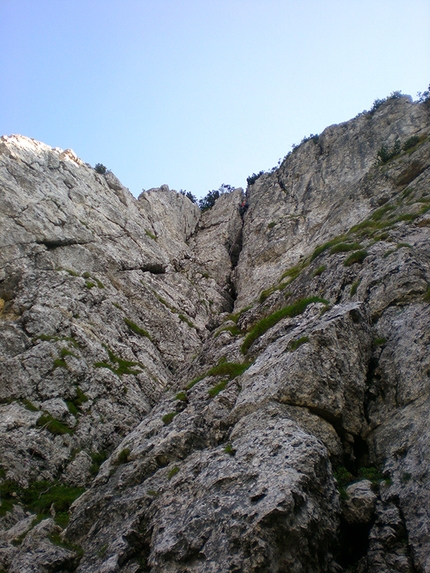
x,y
97,458
181,396
123,456
271,225
209,199
379,342
172,472
167,418
229,450
136,329
427,296
357,257
371,473
411,142
100,168
343,476
59,363
253,178
385,154
269,321
90,284
74,405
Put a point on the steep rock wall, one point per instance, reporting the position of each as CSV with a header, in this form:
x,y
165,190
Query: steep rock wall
x,y
260,387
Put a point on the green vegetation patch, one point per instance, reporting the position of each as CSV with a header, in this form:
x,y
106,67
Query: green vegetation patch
x,y
294,272
186,320
328,245
123,456
217,389
233,329
136,329
354,287
172,472
294,344
122,366
379,341
223,368
357,257
74,405
39,497
151,235
97,458
229,450
385,153
269,321
167,418
53,338
235,317
52,425
29,406
345,247
181,396
379,213
319,270
266,293
411,142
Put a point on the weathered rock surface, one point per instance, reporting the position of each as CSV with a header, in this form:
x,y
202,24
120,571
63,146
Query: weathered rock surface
x,y
224,393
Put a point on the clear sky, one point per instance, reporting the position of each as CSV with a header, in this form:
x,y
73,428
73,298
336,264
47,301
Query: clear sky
x,y
196,93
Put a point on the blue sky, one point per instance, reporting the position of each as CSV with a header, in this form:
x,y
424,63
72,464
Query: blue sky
x,y
196,93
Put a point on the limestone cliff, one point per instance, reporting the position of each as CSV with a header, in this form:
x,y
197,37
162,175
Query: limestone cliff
x,y
205,392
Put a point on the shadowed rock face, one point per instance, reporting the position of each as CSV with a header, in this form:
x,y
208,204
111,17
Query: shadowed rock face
x,y
219,392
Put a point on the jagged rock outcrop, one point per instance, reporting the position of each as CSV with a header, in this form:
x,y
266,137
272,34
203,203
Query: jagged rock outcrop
x,y
198,392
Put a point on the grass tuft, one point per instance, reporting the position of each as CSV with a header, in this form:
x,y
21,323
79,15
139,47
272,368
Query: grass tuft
x,y
52,425
269,321
357,257
136,329
294,344
345,247
167,418
217,389
123,456
354,287
123,366
172,472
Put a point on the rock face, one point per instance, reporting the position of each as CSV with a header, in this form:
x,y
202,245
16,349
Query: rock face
x,y
209,392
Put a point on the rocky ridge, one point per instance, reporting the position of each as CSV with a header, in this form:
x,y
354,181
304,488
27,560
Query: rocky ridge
x,y
217,392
